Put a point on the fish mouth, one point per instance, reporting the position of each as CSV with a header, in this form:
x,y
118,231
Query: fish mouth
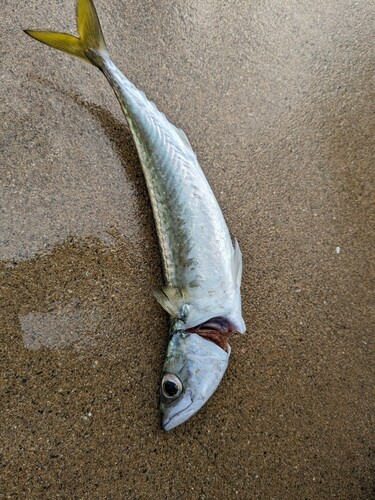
x,y
182,411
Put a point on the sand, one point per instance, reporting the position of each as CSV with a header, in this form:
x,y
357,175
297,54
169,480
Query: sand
x,y
277,99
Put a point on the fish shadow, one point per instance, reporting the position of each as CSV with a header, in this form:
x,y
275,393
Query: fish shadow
x,y
117,131
122,142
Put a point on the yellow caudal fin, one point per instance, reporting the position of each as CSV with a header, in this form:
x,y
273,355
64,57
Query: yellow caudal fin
x,y
90,40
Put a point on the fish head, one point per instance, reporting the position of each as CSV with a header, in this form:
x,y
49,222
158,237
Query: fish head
x,y
193,369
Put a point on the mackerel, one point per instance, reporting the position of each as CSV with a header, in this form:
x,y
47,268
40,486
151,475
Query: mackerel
x,y
202,265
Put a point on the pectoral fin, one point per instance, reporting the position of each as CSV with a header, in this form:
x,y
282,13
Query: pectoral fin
x,y
237,264
172,300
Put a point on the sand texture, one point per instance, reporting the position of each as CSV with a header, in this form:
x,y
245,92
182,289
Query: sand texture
x,y
277,98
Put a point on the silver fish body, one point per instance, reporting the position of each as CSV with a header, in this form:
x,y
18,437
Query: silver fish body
x,y
202,266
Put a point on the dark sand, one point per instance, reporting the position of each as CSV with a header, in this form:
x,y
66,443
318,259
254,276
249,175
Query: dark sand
x,y
278,101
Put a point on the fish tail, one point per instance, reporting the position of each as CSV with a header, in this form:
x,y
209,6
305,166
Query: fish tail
x,y
89,45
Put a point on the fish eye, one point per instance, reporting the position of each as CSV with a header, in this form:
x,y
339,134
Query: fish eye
x,y
171,386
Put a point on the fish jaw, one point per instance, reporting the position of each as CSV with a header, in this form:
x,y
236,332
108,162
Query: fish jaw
x,y
185,409
200,365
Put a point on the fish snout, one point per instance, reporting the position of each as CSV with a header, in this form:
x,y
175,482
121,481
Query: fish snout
x,y
178,413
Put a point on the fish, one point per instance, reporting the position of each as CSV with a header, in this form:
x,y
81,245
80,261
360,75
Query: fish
x,y
202,264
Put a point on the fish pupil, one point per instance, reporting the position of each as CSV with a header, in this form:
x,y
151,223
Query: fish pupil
x,y
170,388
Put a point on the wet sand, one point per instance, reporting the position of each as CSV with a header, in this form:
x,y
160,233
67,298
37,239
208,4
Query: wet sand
x,y
277,99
